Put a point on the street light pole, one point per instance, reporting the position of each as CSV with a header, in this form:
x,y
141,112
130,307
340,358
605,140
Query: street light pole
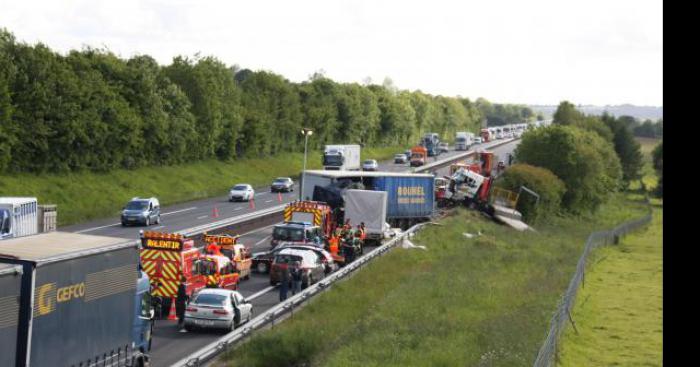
x,y
306,132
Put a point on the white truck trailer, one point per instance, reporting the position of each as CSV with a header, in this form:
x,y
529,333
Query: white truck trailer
x,y
341,157
23,216
464,140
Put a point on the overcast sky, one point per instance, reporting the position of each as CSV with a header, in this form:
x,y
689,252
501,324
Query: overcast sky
x,y
534,52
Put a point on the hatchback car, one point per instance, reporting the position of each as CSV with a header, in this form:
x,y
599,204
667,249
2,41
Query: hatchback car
x,y
443,147
141,211
282,184
400,158
241,192
370,165
311,264
262,261
214,308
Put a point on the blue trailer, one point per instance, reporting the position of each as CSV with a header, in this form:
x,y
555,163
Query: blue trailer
x,y
410,196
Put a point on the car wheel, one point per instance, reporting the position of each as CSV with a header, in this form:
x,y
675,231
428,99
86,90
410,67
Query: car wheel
x,y
123,224
158,219
148,221
261,267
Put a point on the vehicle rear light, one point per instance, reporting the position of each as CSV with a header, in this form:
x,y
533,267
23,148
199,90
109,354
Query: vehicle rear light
x,y
191,309
220,312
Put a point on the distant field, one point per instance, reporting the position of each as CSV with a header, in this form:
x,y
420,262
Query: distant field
x,y
84,196
619,313
483,301
649,175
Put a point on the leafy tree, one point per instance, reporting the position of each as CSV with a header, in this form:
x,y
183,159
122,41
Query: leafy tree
x,y
585,162
567,114
541,180
658,160
627,148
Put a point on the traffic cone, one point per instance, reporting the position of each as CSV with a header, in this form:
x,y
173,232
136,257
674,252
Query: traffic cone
x,y
173,314
251,203
279,197
215,212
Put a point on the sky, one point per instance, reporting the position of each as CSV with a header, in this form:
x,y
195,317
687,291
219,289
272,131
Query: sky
x,y
600,52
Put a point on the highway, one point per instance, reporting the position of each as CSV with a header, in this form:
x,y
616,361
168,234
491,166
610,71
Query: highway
x,y
194,213
169,345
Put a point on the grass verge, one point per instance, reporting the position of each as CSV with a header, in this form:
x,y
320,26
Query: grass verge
x,y
479,301
619,312
85,195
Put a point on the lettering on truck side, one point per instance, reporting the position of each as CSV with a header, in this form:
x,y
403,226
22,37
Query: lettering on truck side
x,y
163,244
47,295
410,195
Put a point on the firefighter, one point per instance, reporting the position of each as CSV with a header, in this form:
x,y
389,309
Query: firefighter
x,y
181,303
212,275
333,244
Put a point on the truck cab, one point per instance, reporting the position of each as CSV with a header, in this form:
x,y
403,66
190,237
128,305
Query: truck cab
x,y
418,156
297,233
143,314
341,157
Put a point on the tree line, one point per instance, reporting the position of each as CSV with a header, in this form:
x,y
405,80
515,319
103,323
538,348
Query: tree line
x,y
92,110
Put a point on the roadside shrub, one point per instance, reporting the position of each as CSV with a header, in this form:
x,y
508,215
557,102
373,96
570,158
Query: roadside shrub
x,y
540,180
584,161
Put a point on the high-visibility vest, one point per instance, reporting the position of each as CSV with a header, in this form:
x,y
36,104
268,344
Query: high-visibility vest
x,y
333,245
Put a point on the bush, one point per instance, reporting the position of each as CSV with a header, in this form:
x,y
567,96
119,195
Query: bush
x,y
585,162
540,180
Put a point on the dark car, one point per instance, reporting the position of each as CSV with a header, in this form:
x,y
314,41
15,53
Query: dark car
x,y
312,266
284,184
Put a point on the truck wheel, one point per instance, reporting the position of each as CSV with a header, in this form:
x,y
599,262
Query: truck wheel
x,y
261,267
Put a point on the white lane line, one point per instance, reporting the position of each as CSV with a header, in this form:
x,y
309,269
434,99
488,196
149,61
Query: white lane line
x,y
158,227
256,295
261,241
100,227
262,193
241,208
268,201
179,211
202,217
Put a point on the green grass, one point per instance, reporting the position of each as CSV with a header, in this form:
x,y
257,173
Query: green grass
x,y
463,302
85,195
619,312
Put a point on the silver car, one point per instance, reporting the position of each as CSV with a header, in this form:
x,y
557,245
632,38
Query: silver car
x,y
370,165
214,308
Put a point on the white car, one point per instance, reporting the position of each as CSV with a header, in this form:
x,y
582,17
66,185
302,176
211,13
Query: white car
x,y
241,192
477,140
215,308
370,165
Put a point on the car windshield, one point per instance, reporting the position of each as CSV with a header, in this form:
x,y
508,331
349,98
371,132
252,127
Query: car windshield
x,y
400,156
369,162
332,160
417,155
240,187
210,299
281,180
288,234
137,205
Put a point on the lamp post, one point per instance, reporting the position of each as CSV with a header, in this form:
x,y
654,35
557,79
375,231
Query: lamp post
x,y
306,132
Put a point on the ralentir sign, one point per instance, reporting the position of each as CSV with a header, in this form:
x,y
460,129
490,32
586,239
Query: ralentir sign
x,y
410,195
163,244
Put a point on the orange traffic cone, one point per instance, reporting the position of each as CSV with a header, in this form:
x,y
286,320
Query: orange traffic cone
x,y
173,314
215,212
251,203
279,197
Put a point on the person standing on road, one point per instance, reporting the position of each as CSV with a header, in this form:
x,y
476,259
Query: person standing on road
x,y
181,303
284,282
296,278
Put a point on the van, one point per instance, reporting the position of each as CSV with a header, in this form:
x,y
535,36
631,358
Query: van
x,y
141,211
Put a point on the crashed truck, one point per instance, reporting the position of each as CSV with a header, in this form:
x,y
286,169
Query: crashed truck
x,y
409,197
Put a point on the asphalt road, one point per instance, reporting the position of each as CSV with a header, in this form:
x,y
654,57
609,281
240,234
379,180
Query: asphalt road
x,y
194,213
169,345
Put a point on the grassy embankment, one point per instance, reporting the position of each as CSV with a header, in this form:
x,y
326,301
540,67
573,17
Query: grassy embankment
x,y
619,313
85,195
463,302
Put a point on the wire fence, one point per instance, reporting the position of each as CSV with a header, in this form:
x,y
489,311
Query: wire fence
x,y
548,354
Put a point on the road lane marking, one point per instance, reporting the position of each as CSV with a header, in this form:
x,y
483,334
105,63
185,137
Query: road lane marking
x,y
241,208
268,201
258,294
261,241
95,228
179,211
158,227
202,217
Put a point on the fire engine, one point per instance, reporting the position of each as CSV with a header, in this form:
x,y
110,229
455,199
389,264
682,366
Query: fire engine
x,y
166,258
236,252
218,271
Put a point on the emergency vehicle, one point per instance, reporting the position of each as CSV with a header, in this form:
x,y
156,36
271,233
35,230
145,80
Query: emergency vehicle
x,y
236,252
315,212
166,258
218,271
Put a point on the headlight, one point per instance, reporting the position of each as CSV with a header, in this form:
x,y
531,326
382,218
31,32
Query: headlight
x,y
145,214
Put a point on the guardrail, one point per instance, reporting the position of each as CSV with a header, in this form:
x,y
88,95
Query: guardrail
x,y
213,349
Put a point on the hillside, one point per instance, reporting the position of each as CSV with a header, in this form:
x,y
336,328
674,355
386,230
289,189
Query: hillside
x,y
640,112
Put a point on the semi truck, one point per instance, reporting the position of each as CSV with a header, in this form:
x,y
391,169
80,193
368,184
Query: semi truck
x,y
69,299
463,140
410,196
23,216
431,141
341,157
